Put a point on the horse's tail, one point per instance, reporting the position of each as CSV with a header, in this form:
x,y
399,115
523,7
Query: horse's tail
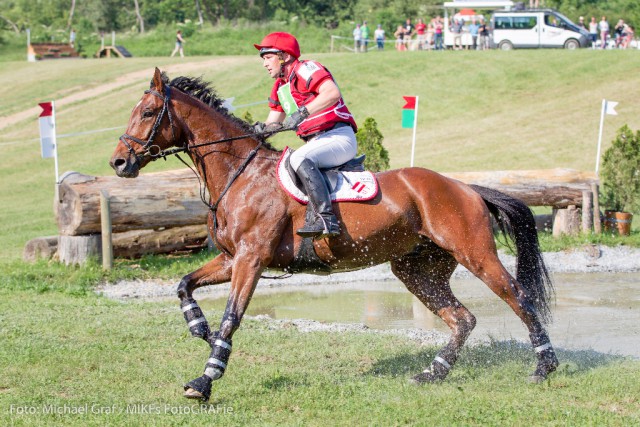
x,y
515,220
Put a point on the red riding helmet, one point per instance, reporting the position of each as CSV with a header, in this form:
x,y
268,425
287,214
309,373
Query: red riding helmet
x,y
279,42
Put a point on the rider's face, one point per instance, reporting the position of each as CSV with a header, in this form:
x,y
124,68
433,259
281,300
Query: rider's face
x,y
271,62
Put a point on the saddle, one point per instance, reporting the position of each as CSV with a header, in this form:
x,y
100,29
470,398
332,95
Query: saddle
x,y
348,182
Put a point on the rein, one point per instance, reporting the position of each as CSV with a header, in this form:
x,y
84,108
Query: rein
x,y
148,146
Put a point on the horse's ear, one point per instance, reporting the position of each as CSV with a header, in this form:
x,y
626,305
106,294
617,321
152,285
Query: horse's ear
x,y
157,80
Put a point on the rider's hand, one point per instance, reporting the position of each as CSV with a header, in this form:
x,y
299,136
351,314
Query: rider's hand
x,y
293,121
259,127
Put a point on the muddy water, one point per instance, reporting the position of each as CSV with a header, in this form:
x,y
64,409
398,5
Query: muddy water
x,y
596,311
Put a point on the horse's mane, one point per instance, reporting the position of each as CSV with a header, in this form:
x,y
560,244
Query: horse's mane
x,y
201,90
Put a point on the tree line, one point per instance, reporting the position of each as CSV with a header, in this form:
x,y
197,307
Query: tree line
x,y
142,15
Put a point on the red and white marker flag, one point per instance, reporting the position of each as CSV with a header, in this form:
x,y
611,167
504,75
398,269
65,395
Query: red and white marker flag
x,y
47,122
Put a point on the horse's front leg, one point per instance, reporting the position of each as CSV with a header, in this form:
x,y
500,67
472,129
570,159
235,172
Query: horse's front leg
x,y
246,272
214,272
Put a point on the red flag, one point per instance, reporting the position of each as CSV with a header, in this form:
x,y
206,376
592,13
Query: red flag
x,y
47,109
410,103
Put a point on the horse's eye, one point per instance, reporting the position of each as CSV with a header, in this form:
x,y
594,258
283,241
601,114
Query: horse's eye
x,y
147,114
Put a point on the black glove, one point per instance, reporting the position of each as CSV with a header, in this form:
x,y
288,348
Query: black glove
x,y
293,121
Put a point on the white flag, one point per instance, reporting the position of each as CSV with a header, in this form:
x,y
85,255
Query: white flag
x,y
228,104
609,108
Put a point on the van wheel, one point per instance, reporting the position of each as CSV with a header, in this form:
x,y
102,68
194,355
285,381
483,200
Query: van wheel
x,y
505,45
571,44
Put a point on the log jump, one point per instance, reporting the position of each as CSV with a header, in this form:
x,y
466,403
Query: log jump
x,y
163,212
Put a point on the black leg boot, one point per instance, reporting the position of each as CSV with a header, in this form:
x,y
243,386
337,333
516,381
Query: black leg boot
x,y
325,223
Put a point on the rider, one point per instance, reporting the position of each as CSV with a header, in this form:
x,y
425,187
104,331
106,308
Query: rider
x,y
306,98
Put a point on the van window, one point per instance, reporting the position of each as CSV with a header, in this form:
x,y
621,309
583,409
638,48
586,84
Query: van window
x,y
515,22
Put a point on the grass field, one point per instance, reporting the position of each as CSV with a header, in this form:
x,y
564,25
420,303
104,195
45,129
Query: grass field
x,y
65,350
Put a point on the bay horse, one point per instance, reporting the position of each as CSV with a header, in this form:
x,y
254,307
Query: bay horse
x,y
421,222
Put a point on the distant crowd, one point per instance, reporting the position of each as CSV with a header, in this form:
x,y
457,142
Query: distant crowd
x,y
602,37
430,36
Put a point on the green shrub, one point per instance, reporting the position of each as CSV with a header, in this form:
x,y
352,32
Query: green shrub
x,y
370,143
621,172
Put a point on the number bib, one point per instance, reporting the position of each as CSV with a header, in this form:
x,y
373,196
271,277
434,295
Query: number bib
x,y
286,99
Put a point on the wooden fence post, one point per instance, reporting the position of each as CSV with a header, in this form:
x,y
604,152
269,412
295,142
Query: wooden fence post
x,y
597,224
587,212
105,221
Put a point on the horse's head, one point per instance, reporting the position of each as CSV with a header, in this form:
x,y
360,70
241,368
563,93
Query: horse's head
x,y
150,130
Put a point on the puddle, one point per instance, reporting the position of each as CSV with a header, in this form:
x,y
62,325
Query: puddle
x,y
597,311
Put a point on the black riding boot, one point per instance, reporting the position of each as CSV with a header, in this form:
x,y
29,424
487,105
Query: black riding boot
x,y
325,223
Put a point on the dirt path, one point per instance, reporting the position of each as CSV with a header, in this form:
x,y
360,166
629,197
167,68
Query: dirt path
x,y
120,82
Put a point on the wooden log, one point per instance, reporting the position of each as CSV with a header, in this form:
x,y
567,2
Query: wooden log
x,y
76,250
135,243
155,200
171,199
566,221
40,247
558,188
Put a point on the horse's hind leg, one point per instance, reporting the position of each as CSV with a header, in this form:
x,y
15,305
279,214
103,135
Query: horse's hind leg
x,y
491,271
426,273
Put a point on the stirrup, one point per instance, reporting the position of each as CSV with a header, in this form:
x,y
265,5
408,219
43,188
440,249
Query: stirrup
x,y
320,228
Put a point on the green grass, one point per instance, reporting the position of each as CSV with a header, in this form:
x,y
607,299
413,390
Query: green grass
x,y
478,111
64,347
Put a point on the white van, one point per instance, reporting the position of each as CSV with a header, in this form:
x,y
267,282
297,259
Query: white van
x,y
536,28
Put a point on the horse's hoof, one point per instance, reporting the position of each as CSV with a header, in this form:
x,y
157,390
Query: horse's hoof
x,y
193,394
537,379
200,388
425,377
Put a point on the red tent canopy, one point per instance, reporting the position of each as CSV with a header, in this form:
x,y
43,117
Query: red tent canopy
x,y
467,12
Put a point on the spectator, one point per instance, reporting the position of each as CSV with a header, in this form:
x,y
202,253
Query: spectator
x,y
399,35
593,31
438,26
603,26
431,33
408,33
630,33
534,4
421,37
456,30
473,30
378,34
483,34
357,38
72,38
618,30
581,23
179,43
364,29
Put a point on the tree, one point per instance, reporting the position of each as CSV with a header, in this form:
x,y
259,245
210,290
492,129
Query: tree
x,y
73,8
621,172
370,143
139,16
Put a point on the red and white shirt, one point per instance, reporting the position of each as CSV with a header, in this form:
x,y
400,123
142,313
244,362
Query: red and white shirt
x,y
305,79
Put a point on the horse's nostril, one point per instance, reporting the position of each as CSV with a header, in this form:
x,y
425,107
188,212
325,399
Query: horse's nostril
x,y
119,162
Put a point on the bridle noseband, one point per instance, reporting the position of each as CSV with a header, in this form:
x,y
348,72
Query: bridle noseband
x,y
148,144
